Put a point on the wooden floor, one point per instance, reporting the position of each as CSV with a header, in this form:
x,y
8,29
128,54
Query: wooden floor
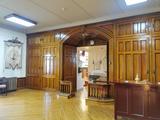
x,y
39,105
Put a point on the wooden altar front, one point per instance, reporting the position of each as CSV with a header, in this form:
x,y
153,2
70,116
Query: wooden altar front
x,y
99,91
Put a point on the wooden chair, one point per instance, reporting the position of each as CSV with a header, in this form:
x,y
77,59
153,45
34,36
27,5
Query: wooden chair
x,y
3,85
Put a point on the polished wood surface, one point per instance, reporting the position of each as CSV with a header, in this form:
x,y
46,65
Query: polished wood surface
x,y
42,105
138,101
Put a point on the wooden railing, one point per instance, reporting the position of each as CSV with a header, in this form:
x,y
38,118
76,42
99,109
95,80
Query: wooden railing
x,y
98,90
66,88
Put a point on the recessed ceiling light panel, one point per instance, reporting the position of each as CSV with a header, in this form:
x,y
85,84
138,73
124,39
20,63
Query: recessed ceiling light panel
x,y
20,20
133,2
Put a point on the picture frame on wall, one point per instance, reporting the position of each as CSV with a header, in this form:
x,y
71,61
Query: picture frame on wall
x,y
13,54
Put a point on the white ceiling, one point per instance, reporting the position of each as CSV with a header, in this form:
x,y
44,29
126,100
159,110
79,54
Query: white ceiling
x,y
54,14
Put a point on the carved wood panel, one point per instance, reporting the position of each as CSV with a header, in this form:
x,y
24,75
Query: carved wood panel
x,y
132,58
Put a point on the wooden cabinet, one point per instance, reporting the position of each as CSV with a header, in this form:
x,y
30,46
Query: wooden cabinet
x,y
138,101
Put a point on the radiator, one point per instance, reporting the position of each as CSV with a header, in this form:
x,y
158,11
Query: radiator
x,y
12,83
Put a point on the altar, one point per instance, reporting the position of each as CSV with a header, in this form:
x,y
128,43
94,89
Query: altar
x,y
99,91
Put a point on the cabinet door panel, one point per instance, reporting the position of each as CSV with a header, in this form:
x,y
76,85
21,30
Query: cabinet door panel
x,y
122,99
154,104
137,101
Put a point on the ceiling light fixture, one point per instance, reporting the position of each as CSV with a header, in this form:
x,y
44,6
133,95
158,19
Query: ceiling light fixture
x,y
133,2
20,20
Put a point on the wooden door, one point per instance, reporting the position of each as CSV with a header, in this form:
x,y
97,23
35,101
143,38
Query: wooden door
x,y
69,64
34,67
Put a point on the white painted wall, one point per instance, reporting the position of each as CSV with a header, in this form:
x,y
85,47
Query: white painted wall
x,y
6,35
80,81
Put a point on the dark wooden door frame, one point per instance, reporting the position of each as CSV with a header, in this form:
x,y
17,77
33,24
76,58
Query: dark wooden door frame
x,y
107,36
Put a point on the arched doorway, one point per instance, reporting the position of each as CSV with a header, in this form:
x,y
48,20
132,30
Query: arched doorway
x,y
77,38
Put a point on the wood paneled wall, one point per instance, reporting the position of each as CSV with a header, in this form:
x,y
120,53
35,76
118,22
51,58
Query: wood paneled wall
x,y
134,48
21,83
43,62
138,48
